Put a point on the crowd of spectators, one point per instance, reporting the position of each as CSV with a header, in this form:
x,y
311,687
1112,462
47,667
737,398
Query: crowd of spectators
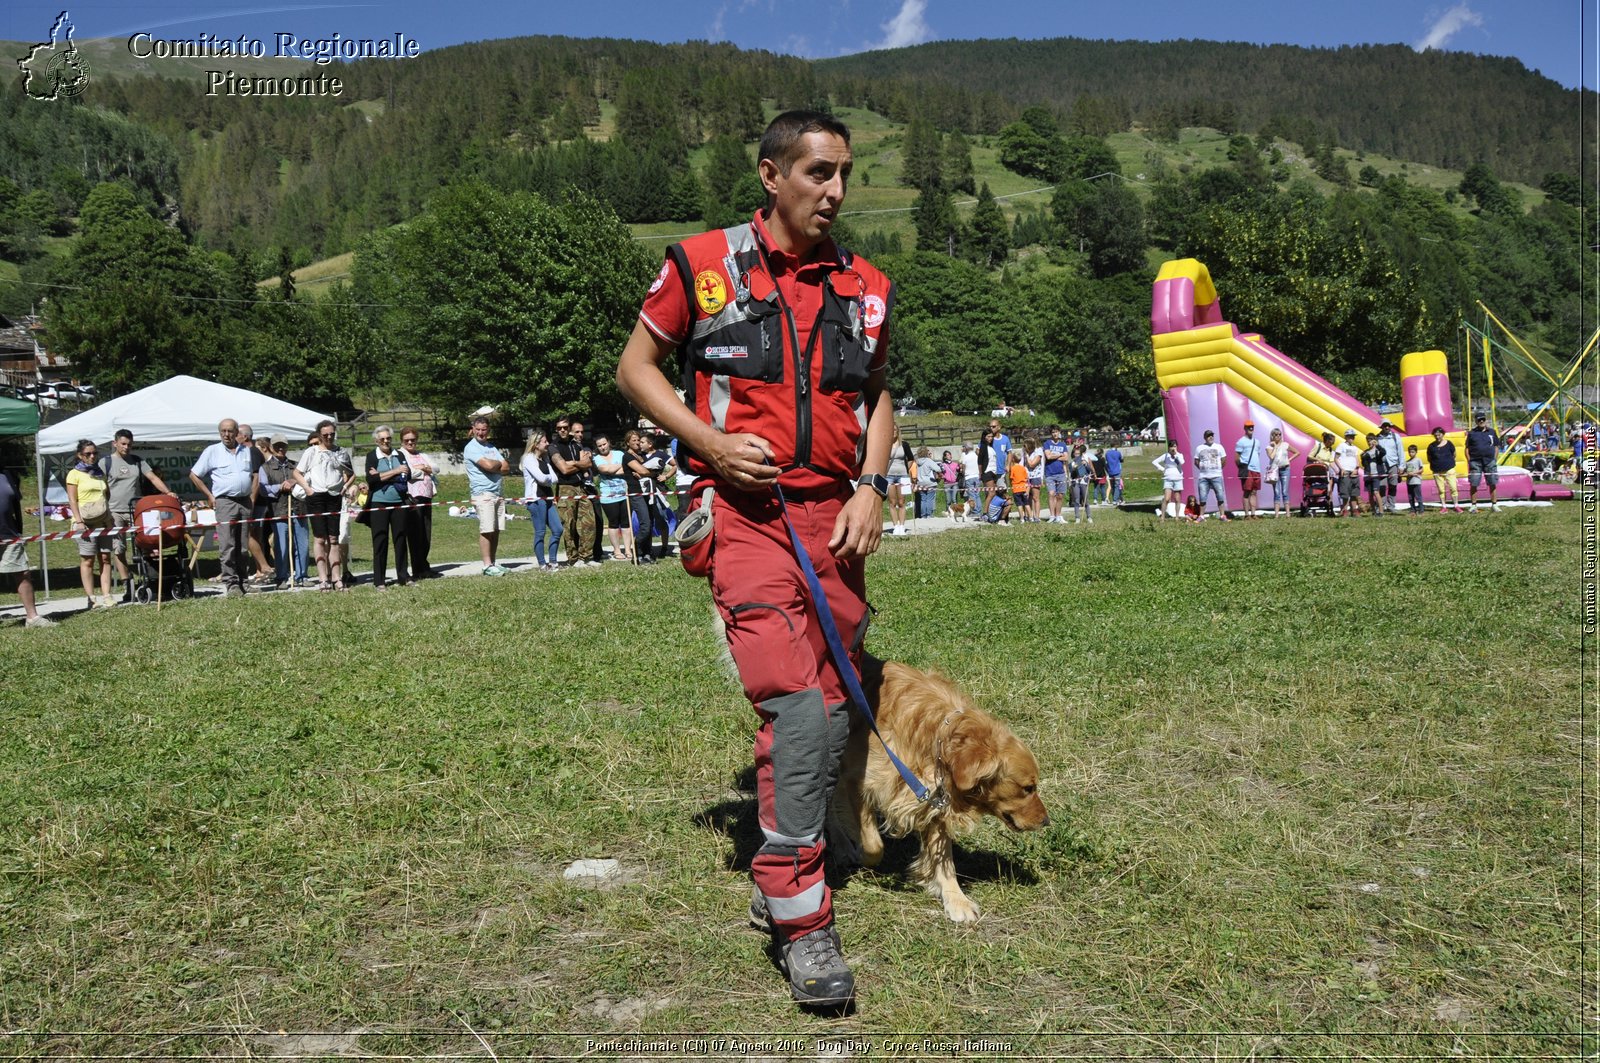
x,y
274,519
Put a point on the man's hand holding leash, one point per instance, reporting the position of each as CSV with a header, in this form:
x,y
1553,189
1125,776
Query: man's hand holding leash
x,y
743,461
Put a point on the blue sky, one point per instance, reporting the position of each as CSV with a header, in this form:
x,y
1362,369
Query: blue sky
x,y
1544,34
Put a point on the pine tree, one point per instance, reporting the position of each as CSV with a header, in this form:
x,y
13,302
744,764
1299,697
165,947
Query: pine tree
x,y
935,221
285,275
1331,168
988,240
923,163
958,171
567,123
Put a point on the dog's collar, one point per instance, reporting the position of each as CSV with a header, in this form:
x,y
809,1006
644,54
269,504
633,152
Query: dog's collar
x,y
941,792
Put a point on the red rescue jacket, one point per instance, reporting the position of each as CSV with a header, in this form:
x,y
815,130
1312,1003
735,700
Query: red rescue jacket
x,y
744,371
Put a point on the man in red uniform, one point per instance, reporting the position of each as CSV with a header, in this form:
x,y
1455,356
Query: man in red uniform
x,y
783,342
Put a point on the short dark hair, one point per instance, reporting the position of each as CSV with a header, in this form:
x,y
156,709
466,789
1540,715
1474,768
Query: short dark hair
x,y
325,423
779,142
123,433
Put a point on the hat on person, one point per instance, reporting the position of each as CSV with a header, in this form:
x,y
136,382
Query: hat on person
x,y
279,439
1481,417
1249,424
1387,424
1349,433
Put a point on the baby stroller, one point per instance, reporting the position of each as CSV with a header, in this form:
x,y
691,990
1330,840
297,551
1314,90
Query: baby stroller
x,y
158,523
1316,491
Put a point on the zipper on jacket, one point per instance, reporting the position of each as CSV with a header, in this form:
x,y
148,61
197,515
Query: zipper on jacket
x,y
802,374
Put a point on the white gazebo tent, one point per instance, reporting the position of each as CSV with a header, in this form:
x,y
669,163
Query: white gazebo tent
x,y
180,410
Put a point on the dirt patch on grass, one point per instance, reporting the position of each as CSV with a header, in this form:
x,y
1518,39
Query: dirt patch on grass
x,y
627,1013
1453,1012
312,1045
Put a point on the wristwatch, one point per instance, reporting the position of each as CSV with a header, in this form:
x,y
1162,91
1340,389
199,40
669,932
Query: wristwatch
x,y
878,482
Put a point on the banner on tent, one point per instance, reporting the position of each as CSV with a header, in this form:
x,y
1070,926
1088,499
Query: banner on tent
x,y
172,465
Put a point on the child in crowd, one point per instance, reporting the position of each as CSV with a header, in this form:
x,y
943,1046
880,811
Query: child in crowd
x,y
1018,474
1080,470
1193,512
1375,466
1412,471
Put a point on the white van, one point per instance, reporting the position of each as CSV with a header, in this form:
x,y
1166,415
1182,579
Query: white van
x,y
1156,429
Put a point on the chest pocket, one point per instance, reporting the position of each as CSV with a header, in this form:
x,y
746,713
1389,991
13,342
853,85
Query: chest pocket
x,y
744,339
846,349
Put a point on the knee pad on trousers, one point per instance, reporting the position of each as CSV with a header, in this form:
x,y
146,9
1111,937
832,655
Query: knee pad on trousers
x,y
807,740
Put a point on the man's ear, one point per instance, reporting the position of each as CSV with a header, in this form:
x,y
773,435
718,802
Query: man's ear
x,y
769,172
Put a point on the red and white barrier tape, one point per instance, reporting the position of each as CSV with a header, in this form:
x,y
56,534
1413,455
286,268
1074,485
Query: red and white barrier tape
x,y
416,503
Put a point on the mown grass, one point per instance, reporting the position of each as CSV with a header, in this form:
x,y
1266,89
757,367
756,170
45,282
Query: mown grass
x,y
1315,789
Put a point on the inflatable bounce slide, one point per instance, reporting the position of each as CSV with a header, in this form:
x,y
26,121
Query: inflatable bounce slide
x,y
1214,376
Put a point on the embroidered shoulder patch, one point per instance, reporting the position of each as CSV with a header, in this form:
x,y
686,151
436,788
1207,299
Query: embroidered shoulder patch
x,y
873,309
710,291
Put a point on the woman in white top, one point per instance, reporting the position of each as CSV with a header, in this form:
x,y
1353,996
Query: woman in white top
x,y
1171,466
325,472
1279,455
1033,461
539,491
901,463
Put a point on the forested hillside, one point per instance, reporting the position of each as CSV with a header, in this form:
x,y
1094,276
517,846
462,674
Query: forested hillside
x,y
141,217
1447,109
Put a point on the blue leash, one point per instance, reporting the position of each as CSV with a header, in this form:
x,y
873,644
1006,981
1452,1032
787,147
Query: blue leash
x,y
841,656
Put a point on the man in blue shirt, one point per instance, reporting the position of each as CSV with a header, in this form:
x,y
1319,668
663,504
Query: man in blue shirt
x,y
1483,448
1250,455
226,475
1055,472
486,466
1001,451
1114,474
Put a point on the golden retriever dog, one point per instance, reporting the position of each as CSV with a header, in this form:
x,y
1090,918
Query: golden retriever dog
x,y
978,767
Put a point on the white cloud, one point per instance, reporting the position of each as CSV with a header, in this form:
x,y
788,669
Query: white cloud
x,y
718,30
1447,26
907,27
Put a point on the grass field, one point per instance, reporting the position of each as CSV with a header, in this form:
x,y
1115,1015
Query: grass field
x,y
1315,788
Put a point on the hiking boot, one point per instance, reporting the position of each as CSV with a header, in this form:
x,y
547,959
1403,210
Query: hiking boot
x,y
760,918
816,969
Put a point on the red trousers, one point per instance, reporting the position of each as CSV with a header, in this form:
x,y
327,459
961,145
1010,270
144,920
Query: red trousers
x,y
790,679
